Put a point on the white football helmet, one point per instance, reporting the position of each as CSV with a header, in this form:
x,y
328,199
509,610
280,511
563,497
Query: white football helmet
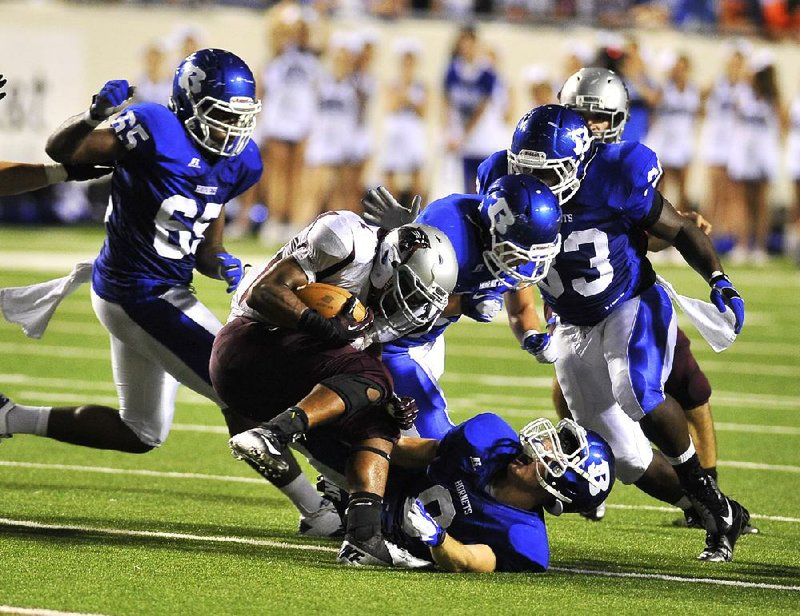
x,y
414,272
598,92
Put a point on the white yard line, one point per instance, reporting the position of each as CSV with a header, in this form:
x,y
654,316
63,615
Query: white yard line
x,y
295,546
35,611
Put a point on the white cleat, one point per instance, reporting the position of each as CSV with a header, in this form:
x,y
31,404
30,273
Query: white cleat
x,y
378,552
261,448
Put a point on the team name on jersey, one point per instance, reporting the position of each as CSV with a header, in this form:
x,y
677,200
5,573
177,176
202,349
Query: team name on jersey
x,y
205,190
463,497
566,217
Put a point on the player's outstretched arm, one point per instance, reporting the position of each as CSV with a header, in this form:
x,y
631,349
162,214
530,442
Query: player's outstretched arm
x,y
16,178
413,452
449,554
77,141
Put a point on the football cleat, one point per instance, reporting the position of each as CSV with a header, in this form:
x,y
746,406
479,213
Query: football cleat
x,y
5,406
691,519
596,514
324,522
261,448
377,552
719,546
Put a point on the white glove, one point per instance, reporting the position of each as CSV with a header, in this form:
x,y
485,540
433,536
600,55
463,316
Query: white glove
x,y
383,210
425,527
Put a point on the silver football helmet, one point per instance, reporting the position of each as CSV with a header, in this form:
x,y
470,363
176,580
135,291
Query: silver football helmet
x,y
598,92
414,272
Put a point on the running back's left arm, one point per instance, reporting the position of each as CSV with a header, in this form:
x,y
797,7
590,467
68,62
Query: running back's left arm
x,y
695,247
521,310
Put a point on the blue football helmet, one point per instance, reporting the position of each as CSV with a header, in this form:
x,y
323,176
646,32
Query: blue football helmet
x,y
575,465
522,217
551,142
214,95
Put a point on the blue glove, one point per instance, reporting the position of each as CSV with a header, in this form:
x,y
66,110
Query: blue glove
x,y
482,306
111,98
724,295
539,345
230,269
429,530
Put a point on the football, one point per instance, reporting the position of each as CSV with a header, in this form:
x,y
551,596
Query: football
x,y
327,299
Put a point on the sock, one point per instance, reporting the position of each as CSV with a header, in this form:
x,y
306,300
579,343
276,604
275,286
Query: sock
x,y
289,425
364,516
683,503
303,495
28,419
712,472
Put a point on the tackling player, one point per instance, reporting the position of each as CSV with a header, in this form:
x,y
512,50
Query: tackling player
x,y
504,242
174,169
602,287
279,362
477,499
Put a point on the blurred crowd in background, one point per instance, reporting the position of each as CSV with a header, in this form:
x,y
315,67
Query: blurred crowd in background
x,y
323,139
773,18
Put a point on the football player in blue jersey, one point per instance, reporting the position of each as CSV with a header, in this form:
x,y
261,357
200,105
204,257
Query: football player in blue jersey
x,y
504,242
174,170
600,96
476,501
617,332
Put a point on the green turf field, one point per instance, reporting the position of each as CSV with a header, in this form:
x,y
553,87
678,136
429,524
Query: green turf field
x,y
188,530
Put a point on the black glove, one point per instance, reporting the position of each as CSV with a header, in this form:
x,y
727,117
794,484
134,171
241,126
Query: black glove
x,y
81,173
340,329
404,410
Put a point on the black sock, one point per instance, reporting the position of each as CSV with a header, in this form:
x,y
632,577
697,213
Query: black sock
x,y
364,516
289,425
712,472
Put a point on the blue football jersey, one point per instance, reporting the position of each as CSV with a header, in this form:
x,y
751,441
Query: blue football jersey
x,y
456,216
454,491
491,169
602,260
164,194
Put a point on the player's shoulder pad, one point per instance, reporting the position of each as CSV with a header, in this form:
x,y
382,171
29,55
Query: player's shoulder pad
x,y
529,546
155,117
637,163
148,127
338,233
491,434
492,168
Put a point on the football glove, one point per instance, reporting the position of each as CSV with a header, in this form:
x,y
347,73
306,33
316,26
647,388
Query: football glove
x,y
482,306
383,210
427,528
540,346
404,411
81,173
342,328
230,270
111,98
724,295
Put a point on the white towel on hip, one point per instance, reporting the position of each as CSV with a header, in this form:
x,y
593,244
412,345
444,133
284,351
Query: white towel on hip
x,y
716,327
33,306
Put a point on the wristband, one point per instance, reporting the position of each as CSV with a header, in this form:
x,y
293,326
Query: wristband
x,y
55,173
88,119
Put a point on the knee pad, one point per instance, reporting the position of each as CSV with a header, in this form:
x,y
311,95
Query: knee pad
x,y
354,391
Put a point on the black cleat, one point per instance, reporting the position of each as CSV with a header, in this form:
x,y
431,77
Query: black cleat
x,y
719,546
377,552
261,448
